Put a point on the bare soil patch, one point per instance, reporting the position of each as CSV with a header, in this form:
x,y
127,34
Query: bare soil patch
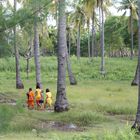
x,y
6,99
61,126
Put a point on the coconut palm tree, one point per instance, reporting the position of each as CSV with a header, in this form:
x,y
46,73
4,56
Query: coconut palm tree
x,y
132,6
36,48
136,124
61,103
101,27
136,77
19,84
70,73
78,17
69,36
37,53
102,5
90,6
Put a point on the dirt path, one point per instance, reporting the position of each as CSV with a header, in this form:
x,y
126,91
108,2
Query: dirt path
x,y
6,99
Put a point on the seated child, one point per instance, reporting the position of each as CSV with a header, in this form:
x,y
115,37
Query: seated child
x,y
48,99
30,101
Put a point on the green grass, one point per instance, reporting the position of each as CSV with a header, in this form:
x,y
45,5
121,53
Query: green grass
x,y
103,108
116,68
118,134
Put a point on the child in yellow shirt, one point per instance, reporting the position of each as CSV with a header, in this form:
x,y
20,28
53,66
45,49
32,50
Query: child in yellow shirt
x,y
48,99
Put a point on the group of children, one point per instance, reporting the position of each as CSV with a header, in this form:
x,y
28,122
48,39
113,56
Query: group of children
x,y
39,98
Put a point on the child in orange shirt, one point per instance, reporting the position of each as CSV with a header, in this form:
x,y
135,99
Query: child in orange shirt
x,y
30,101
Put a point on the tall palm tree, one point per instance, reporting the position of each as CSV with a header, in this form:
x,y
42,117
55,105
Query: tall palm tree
x,y
72,78
78,17
89,48
132,6
36,49
101,28
90,6
70,30
70,73
102,5
135,81
136,124
19,84
61,103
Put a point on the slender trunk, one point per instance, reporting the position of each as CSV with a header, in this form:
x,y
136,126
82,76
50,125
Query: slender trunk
x,y
78,43
61,103
102,41
71,76
19,84
95,45
109,49
136,78
89,42
56,14
69,42
27,68
137,121
93,37
37,53
131,24
29,55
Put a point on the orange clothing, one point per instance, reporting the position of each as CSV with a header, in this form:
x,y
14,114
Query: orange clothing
x,y
31,96
31,99
31,104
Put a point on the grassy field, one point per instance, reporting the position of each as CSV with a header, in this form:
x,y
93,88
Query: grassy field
x,y
101,108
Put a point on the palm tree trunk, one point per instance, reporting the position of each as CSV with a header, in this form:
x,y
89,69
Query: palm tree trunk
x,y
131,24
136,78
109,49
56,14
71,76
102,41
89,42
61,103
19,84
69,42
28,56
78,43
93,38
27,68
95,45
136,124
37,53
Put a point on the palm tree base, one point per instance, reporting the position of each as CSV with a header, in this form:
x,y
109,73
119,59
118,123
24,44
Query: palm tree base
x,y
61,108
103,72
136,126
134,83
19,86
73,81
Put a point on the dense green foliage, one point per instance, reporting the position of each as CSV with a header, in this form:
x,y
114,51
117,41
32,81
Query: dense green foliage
x,y
117,30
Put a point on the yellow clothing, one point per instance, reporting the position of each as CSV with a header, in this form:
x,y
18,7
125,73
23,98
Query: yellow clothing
x,y
38,94
49,98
